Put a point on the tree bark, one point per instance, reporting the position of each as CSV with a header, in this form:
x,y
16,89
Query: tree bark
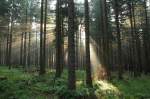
x,y
42,67
87,50
58,40
71,46
120,65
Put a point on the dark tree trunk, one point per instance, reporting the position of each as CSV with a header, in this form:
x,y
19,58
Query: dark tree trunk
x,y
87,50
137,46
25,51
58,40
7,48
10,44
45,32
29,50
42,68
21,49
104,42
37,52
71,46
120,65
146,41
0,51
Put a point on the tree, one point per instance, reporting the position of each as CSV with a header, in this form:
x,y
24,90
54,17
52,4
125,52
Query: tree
x,y
4,8
25,51
29,50
87,35
58,40
120,70
42,67
21,49
146,39
71,46
45,32
105,40
10,33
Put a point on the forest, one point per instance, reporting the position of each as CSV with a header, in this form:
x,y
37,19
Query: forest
x,y
74,49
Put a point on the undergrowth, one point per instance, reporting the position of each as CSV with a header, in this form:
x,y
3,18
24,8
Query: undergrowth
x,y
20,85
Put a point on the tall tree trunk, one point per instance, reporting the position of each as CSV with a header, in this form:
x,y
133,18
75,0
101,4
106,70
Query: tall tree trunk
x,y
106,36
29,50
137,45
132,47
71,46
10,35
45,31
120,65
21,49
25,51
1,51
42,68
7,44
37,52
146,40
58,40
87,50
62,44
10,44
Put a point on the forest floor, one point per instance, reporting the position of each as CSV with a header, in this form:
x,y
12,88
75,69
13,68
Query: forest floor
x,y
16,84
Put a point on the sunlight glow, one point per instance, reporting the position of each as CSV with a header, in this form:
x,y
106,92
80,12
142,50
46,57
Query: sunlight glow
x,y
81,1
108,87
34,26
95,62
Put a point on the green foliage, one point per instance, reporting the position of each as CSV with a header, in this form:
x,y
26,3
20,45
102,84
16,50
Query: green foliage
x,y
20,85
10,89
134,87
3,7
16,85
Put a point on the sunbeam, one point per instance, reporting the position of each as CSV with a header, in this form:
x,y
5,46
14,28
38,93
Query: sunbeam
x,y
95,63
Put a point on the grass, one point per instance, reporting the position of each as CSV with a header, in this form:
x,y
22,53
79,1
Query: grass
x,y
138,88
21,85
